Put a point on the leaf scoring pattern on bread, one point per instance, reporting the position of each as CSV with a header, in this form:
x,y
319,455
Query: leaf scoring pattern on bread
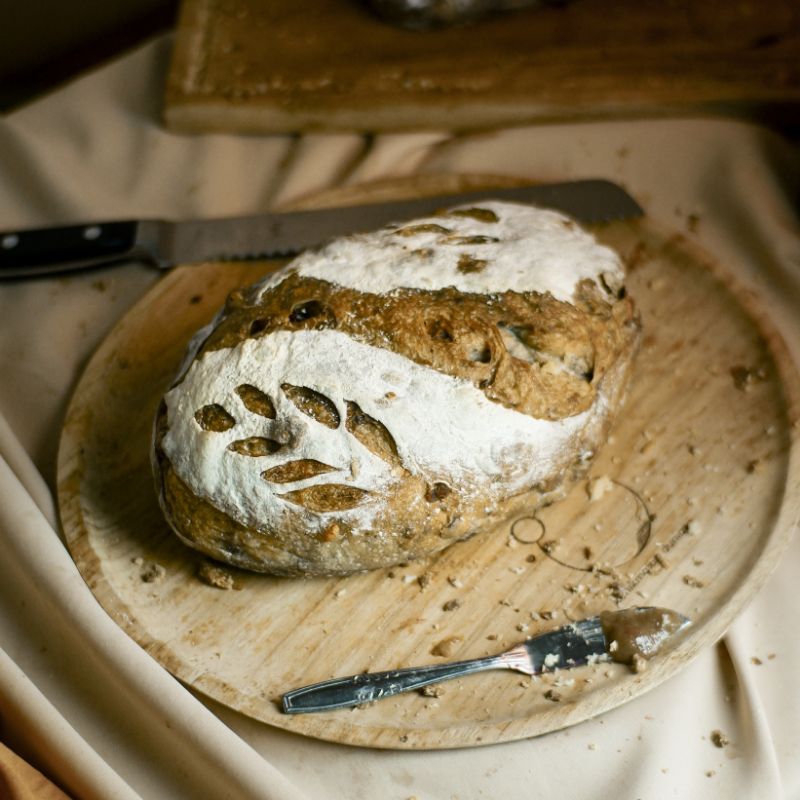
x,y
214,417
298,470
256,401
313,404
322,497
328,497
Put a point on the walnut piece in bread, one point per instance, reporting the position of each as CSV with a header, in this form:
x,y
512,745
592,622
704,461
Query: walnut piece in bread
x,y
390,393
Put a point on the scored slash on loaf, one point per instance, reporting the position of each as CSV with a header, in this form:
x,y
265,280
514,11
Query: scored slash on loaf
x,y
390,393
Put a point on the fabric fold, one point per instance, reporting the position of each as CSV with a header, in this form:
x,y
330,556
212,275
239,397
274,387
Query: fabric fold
x,y
139,693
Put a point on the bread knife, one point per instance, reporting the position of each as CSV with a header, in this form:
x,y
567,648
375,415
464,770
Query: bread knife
x,y
625,636
163,244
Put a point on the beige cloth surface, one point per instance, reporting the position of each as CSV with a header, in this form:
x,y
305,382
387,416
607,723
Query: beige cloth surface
x,y
106,720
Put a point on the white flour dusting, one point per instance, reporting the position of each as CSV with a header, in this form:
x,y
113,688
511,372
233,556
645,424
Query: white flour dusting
x,y
445,428
527,249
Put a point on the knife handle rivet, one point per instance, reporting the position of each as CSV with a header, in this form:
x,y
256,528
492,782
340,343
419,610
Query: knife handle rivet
x,y
10,241
92,232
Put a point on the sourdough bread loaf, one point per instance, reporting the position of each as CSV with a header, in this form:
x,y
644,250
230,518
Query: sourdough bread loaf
x,y
390,393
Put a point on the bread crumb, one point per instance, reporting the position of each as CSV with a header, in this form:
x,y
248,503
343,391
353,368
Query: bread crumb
x,y
424,580
550,545
522,627
330,533
756,660
617,590
719,739
638,663
754,466
517,570
599,486
409,578
745,377
553,694
551,660
340,593
710,773
153,573
432,691
770,656
695,583
446,647
137,561
454,582
591,746
492,637
451,605
530,558
216,576
693,527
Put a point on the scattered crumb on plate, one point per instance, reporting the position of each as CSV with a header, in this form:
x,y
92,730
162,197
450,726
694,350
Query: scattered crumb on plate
x,y
153,573
719,739
446,647
215,576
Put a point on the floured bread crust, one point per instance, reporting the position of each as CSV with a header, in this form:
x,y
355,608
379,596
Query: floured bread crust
x,y
390,393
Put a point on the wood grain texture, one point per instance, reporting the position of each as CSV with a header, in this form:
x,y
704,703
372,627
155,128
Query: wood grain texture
x,y
701,496
243,65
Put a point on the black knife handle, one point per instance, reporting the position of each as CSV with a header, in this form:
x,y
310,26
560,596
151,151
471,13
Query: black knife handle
x,y
357,689
37,251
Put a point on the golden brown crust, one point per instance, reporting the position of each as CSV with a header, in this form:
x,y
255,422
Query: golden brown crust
x,y
527,351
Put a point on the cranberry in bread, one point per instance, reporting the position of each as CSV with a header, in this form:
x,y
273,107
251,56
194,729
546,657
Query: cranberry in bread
x,y
390,393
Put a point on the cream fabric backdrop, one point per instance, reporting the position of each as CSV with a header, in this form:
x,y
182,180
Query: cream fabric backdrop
x,y
91,707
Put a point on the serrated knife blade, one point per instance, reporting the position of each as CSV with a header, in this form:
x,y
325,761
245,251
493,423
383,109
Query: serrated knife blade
x,y
37,251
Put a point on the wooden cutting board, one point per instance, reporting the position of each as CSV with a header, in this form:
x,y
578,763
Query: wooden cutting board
x,y
689,506
287,66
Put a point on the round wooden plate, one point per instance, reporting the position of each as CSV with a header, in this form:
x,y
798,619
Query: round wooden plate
x,y
688,506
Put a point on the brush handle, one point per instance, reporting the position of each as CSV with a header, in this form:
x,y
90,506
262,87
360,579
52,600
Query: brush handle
x,y
357,689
